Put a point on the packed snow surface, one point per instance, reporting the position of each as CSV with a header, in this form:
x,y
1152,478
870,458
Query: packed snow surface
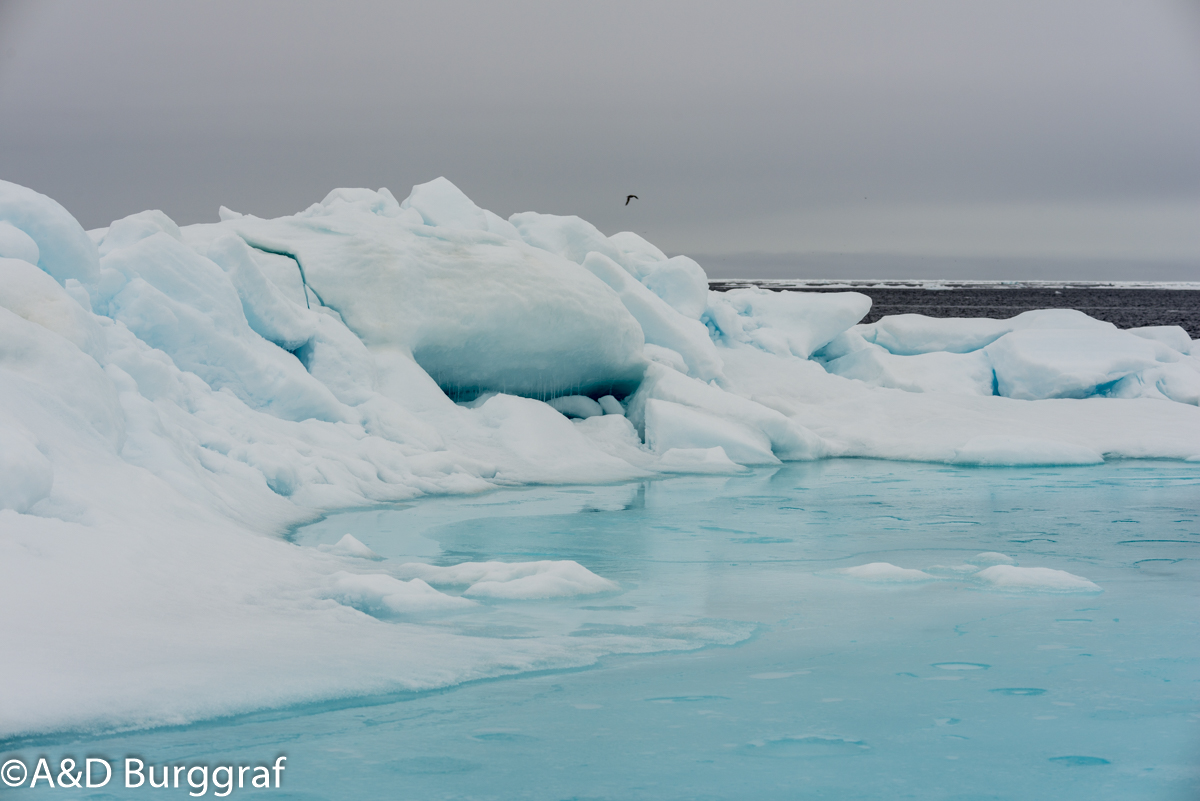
x,y
173,399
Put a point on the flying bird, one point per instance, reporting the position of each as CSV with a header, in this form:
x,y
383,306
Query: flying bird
x,y
629,198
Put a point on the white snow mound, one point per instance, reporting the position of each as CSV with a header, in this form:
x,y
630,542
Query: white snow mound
x,y
515,580
999,573
699,460
383,595
1040,579
349,545
884,572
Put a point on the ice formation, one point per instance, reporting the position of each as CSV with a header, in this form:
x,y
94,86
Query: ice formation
x,y
174,398
884,572
514,580
351,546
988,571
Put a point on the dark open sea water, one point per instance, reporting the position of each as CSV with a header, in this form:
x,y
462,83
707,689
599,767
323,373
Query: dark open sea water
x,y
1125,306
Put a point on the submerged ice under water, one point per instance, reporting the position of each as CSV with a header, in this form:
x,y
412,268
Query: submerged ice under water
x,y
818,680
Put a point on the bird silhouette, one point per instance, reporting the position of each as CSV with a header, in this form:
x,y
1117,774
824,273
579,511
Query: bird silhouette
x,y
629,198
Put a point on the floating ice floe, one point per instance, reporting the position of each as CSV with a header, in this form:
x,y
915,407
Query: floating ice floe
x,y
381,594
884,572
993,571
350,545
1035,579
514,580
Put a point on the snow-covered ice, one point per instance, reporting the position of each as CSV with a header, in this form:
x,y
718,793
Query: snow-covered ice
x,y
986,571
175,399
1034,579
884,572
379,593
514,580
999,450
349,545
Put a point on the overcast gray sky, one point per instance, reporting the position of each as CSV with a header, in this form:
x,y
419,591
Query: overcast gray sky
x,y
1023,138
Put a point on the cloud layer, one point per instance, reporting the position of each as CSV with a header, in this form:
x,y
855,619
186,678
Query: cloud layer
x,y
1024,130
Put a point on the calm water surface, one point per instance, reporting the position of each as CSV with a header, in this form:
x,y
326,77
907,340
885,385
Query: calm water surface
x,y
828,687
